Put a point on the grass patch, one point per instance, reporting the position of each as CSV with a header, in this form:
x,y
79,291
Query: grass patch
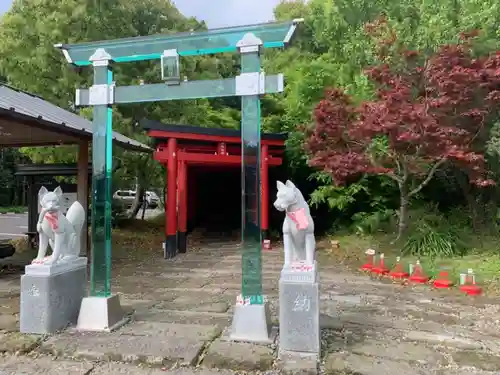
x,y
22,245
483,258
13,209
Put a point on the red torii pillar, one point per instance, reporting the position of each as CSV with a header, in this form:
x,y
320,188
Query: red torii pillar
x,y
170,248
182,181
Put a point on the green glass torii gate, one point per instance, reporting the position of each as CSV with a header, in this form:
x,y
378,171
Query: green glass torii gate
x,y
250,84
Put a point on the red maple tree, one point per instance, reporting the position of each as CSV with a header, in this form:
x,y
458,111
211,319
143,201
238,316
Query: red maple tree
x,y
426,112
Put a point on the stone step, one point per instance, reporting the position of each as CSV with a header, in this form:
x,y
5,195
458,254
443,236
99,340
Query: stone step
x,y
152,350
154,343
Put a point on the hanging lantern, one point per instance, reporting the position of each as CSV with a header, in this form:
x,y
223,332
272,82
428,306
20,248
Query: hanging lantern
x,y
170,67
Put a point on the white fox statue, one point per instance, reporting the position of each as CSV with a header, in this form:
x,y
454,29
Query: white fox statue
x,y
61,232
298,227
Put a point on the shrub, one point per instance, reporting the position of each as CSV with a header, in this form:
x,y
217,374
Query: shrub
x,y
118,212
372,222
13,209
432,234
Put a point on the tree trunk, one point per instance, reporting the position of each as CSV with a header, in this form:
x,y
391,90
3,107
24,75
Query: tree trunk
x,y
136,205
474,207
403,210
144,205
405,194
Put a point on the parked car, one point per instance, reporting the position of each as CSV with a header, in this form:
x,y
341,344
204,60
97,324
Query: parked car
x,y
125,196
128,197
152,199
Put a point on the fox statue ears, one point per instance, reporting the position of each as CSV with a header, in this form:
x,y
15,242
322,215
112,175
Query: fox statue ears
x,y
43,190
289,184
58,191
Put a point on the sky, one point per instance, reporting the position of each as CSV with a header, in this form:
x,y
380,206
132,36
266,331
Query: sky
x,y
216,13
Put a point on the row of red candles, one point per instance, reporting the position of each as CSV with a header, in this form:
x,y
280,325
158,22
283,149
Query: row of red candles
x,y
418,276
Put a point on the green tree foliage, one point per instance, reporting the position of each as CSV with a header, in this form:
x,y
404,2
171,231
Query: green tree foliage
x,y
8,159
426,114
29,61
332,50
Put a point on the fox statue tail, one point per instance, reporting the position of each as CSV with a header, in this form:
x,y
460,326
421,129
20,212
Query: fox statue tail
x,y
76,216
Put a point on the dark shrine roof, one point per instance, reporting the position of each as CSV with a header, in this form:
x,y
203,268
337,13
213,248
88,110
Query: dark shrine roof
x,y
199,130
48,169
28,120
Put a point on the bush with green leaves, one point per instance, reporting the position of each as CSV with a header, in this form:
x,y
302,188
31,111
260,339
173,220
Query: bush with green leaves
x,y
365,223
118,212
432,234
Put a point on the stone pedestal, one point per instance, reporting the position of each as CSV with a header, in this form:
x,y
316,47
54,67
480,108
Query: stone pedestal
x,y
299,309
103,314
51,296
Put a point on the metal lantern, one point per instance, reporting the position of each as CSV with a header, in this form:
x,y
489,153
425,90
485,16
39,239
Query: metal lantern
x,y
170,67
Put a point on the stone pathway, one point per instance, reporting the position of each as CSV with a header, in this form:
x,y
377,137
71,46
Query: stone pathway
x,y
179,309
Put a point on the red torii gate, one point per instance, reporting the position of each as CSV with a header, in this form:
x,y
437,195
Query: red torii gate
x,y
181,146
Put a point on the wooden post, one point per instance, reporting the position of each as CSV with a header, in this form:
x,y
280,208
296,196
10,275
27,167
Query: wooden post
x,y
82,193
32,212
264,200
171,216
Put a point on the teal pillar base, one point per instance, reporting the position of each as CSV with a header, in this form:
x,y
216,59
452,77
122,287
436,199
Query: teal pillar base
x,y
101,314
252,323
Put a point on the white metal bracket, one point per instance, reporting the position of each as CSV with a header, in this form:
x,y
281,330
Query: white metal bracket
x,y
78,97
249,49
249,43
170,67
281,82
101,94
100,57
251,84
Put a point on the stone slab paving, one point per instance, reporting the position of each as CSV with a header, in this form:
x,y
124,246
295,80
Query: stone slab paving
x,y
121,369
241,356
14,342
51,366
220,320
154,343
43,366
180,307
153,350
